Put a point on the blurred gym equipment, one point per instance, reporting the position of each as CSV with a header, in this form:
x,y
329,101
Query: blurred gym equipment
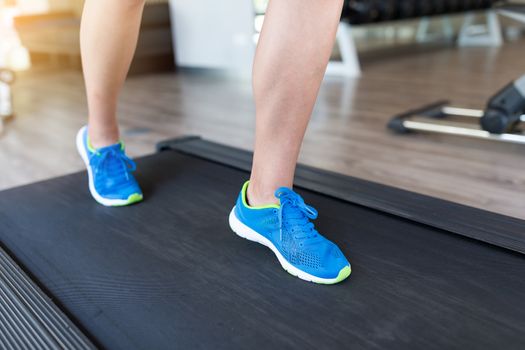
x,y
362,12
500,121
516,12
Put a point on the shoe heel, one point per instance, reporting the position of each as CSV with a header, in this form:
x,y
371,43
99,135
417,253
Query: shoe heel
x,y
235,224
244,231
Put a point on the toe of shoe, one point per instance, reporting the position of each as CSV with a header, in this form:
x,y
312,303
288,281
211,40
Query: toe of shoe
x,y
129,193
335,266
134,198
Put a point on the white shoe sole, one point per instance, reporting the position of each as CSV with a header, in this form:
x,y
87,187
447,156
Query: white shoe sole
x,y
245,232
104,201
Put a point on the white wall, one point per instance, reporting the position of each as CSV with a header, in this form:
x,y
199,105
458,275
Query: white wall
x,y
213,33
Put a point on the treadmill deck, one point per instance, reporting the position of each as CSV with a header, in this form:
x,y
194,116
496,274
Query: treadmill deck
x,y
169,273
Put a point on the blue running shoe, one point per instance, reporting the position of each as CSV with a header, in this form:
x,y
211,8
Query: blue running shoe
x,y
109,171
286,229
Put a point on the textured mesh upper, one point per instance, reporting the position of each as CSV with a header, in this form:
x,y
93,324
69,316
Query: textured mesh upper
x,y
288,227
111,170
305,258
336,253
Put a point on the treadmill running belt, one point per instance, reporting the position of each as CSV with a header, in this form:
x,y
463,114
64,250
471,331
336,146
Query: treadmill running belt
x,y
168,273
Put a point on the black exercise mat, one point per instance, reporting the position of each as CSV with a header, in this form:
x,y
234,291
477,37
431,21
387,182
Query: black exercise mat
x,y
169,274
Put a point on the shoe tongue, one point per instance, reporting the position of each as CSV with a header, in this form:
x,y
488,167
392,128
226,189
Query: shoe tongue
x,y
293,212
294,217
114,147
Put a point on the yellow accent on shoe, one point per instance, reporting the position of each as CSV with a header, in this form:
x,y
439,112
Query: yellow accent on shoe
x,y
244,192
134,198
94,150
343,274
90,146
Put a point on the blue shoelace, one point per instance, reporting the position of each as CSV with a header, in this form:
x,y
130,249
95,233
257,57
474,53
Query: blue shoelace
x,y
298,214
100,160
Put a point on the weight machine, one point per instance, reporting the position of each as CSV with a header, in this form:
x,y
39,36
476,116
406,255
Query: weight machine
x,y
502,119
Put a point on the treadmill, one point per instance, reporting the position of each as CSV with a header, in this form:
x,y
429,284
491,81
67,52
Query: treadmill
x,y
168,273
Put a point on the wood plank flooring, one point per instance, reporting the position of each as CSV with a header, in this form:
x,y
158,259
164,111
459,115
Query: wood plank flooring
x,y
347,133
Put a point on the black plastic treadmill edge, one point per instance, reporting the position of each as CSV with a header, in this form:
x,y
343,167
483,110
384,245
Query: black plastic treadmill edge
x,y
24,304
496,229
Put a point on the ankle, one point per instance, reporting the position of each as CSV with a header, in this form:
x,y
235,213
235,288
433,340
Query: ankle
x,y
103,138
256,196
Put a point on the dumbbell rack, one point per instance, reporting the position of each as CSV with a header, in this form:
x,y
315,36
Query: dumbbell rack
x,y
428,117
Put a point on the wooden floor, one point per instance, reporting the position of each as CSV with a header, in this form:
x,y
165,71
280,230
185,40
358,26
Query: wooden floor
x,y
347,133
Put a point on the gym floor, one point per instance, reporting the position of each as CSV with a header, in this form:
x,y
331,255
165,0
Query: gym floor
x,y
347,133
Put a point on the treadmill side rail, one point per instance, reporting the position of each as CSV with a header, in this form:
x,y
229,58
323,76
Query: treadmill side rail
x,y
496,229
33,320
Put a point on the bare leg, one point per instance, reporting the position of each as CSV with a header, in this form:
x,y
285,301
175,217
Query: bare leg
x,y
108,38
291,58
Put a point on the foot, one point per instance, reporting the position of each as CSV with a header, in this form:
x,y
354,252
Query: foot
x,y
286,229
109,171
